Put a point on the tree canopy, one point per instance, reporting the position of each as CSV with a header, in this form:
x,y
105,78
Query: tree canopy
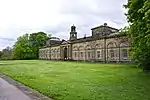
x,y
27,46
6,53
138,16
1,54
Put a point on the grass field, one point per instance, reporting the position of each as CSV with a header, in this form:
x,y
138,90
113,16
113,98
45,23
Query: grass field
x,y
81,81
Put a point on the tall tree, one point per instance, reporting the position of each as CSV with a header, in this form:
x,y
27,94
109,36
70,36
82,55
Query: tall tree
x,y
22,48
6,53
27,46
1,54
138,16
37,40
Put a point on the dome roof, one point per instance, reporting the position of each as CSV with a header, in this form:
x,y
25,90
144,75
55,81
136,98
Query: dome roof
x,y
55,38
73,26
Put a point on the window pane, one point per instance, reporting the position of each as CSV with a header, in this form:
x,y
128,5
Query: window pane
x,y
98,54
88,54
112,53
75,54
124,53
81,54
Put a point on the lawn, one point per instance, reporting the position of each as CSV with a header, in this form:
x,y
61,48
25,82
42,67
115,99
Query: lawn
x,y
81,81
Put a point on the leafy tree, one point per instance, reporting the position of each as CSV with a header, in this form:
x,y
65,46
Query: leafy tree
x,y
22,49
27,46
1,54
37,40
138,16
124,31
6,53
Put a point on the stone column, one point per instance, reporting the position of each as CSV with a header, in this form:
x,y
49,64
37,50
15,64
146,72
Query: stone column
x,y
70,52
61,52
105,59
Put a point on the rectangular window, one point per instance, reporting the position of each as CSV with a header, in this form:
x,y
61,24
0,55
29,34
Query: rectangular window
x,y
75,54
102,53
81,55
89,55
98,54
125,53
92,55
112,54
57,55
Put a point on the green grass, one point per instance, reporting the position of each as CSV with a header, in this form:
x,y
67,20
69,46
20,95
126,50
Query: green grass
x,y
81,81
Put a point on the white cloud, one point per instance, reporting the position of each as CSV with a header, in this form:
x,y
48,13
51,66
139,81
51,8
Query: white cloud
x,y
56,16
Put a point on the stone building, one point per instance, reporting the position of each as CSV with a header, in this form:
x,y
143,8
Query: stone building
x,y
105,45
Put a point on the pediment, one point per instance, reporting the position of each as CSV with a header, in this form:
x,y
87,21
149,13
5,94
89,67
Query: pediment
x,y
65,42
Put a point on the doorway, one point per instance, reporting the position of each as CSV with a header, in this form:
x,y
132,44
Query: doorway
x,y
65,53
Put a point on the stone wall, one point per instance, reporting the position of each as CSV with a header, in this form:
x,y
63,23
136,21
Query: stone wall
x,y
108,50
50,53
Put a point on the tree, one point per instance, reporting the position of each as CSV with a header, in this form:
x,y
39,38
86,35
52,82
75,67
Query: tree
x,y
138,16
6,53
124,31
1,54
27,46
37,40
22,49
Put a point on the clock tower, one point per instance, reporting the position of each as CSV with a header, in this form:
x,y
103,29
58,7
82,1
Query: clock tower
x,y
73,33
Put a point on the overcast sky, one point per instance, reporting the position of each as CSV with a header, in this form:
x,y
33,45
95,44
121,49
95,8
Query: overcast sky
x,y
18,17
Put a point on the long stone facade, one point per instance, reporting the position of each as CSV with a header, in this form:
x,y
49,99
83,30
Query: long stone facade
x,y
105,45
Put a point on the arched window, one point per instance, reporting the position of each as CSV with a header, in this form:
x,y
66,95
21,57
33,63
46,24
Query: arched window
x,y
123,44
111,45
75,48
81,48
88,47
98,54
88,52
98,46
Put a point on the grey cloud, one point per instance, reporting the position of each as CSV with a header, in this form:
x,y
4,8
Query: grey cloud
x,y
7,39
85,14
4,44
95,9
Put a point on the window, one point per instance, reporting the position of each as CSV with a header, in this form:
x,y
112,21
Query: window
x,y
98,54
75,54
111,45
112,54
123,44
81,55
92,55
89,54
124,53
58,54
